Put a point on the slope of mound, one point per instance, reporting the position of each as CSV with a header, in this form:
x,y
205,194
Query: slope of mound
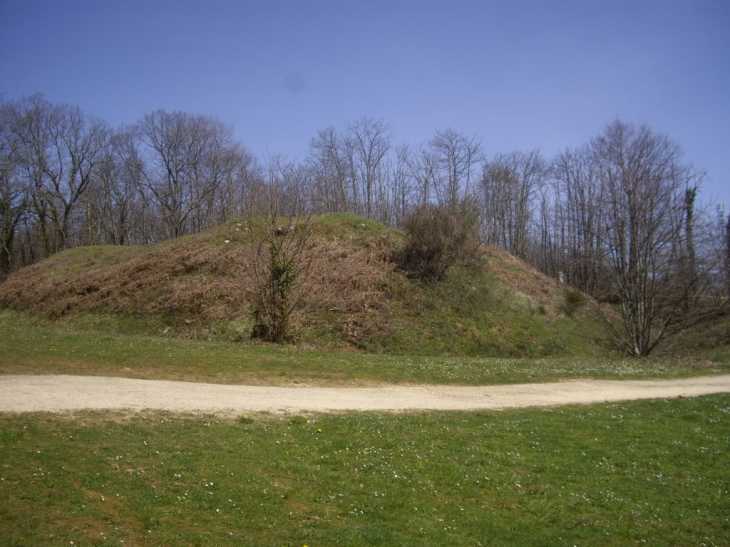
x,y
356,298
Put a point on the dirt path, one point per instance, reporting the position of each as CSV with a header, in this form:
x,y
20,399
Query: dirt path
x,y
65,393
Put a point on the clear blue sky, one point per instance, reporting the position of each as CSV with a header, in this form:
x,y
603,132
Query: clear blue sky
x,y
520,74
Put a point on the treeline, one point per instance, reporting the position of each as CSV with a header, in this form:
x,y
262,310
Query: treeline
x,y
626,200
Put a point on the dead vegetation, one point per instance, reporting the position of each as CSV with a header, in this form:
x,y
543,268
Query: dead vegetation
x,y
524,279
183,279
193,280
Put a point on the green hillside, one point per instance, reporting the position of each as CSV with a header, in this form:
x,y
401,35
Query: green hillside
x,y
357,299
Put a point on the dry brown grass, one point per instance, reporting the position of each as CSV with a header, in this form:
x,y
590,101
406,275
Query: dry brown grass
x,y
523,278
191,280
181,279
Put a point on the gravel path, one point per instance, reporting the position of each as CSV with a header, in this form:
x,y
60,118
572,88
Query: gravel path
x,y
65,393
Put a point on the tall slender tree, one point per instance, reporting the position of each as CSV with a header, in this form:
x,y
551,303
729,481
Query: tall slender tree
x,y
456,158
370,144
508,188
643,183
13,197
58,149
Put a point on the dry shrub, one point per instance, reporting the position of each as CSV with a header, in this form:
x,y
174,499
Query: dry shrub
x,y
340,274
436,239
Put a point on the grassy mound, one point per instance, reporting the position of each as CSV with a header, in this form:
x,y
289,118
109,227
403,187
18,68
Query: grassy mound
x,y
194,287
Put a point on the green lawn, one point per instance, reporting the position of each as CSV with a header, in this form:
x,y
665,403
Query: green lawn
x,y
640,473
647,472
41,347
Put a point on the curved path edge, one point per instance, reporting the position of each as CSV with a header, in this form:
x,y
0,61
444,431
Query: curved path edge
x,y
21,393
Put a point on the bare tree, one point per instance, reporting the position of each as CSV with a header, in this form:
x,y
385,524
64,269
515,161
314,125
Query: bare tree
x,y
184,166
12,193
58,148
644,184
285,186
115,203
404,192
330,160
424,170
509,186
456,157
370,145
241,176
578,218
727,255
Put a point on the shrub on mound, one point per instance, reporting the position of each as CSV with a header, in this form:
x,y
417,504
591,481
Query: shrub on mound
x,y
438,237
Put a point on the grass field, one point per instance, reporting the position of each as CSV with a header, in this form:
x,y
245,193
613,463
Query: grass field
x,y
34,346
640,473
